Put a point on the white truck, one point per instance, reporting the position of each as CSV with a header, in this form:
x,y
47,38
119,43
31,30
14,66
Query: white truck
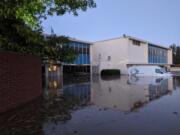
x,y
148,71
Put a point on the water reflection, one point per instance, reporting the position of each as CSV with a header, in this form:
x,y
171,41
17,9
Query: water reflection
x,y
80,92
128,93
97,107
53,86
111,97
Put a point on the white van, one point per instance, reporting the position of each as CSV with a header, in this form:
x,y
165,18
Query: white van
x,y
148,71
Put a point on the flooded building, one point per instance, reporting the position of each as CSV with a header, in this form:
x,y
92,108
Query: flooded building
x,y
82,61
121,53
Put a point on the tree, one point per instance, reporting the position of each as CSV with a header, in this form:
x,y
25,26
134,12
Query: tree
x,y
174,49
177,56
20,24
58,44
32,10
176,53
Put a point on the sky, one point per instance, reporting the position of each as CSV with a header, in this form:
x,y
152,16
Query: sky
x,y
157,21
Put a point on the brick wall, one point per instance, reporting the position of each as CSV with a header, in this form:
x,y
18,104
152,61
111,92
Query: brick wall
x,y
20,79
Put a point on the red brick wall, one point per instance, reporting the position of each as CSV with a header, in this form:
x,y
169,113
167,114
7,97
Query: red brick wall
x,y
20,79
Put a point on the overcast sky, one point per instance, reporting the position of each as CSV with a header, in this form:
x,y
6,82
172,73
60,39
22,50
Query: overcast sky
x,y
157,21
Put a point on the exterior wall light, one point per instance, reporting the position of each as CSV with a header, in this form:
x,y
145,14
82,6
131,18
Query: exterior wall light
x,y
49,69
54,68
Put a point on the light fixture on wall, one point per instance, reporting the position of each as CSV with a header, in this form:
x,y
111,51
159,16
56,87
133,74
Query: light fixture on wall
x,y
49,69
54,68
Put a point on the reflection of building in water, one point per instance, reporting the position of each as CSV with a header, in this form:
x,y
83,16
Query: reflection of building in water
x,y
81,91
176,82
53,82
53,87
156,91
128,93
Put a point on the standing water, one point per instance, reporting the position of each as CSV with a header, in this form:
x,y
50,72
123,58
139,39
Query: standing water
x,y
100,106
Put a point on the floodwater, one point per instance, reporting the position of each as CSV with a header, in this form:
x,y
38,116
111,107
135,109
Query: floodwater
x,y
99,106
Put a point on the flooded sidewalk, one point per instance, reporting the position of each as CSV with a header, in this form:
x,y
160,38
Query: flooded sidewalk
x,y
99,106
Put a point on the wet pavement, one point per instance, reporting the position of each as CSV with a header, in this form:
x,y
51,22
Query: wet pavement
x,y
99,106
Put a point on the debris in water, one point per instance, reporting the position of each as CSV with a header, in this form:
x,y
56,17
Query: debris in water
x,y
75,131
175,113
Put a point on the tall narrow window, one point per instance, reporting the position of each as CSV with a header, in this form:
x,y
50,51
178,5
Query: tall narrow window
x,y
99,57
109,58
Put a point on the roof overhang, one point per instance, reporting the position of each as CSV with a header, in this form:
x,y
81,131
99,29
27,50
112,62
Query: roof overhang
x,y
133,38
81,41
147,42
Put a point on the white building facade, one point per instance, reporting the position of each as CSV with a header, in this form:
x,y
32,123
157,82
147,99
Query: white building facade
x,y
121,53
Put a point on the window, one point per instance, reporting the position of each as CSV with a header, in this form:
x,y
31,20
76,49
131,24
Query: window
x,y
136,42
158,71
109,58
99,57
88,50
157,54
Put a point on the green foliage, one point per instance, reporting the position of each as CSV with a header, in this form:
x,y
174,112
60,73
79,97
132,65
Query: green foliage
x,y
32,11
59,49
18,37
20,26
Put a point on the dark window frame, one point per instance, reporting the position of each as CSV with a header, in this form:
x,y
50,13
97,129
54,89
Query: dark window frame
x,y
136,42
158,71
109,58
